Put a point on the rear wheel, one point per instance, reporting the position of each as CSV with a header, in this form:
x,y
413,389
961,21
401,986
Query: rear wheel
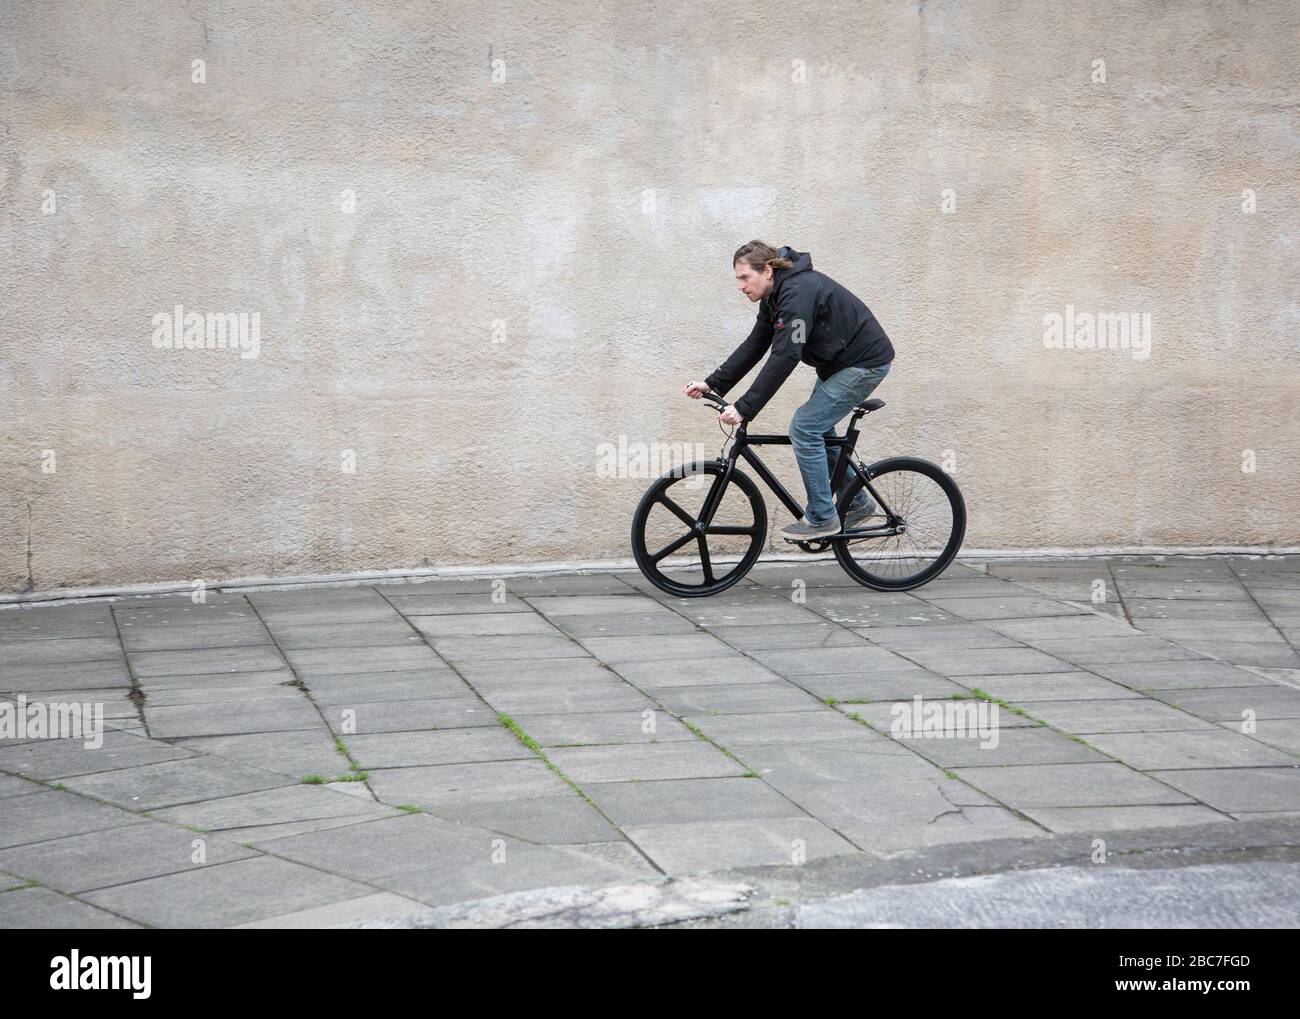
x,y
921,527
705,557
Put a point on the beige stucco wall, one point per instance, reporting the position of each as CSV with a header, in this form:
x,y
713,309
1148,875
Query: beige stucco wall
x,y
536,266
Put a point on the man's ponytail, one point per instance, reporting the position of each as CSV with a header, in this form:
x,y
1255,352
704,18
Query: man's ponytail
x,y
758,254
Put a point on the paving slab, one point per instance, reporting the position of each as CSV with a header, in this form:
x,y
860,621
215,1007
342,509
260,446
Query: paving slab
x,y
481,624
408,716
804,635
52,759
988,661
1118,819
675,801
737,730
716,845
231,718
618,651
186,636
955,636
886,686
525,646
713,671
43,909
115,856
55,814
521,867
610,694
1015,745
1192,673
1089,651
645,762
1083,717
435,785
818,661
742,698
315,662
300,805
254,658
67,649
378,906
1232,704
1072,785
1055,686
293,754
150,786
32,679
226,895
346,688
1239,789
439,746
1206,748
544,820
578,729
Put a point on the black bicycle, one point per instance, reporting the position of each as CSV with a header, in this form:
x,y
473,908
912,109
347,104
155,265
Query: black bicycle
x,y
721,527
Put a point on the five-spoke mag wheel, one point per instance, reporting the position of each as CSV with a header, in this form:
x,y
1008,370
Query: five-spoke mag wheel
x,y
681,553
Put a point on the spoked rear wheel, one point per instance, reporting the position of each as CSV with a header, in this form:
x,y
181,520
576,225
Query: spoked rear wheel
x,y
921,527
708,558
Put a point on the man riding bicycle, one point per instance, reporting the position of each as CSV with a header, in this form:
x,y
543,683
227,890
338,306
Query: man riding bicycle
x,y
804,315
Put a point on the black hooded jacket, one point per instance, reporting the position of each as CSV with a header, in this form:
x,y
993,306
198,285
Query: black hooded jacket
x,y
807,317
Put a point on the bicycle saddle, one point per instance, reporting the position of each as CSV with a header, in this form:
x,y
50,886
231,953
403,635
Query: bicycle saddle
x,y
867,406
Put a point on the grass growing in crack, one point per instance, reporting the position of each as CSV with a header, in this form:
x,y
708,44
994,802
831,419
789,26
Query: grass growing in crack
x,y
520,735
699,734
531,744
409,808
357,776
986,696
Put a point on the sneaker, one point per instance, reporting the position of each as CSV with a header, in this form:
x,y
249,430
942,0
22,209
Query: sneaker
x,y
802,530
859,517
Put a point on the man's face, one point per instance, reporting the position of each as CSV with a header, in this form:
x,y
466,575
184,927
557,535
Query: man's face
x,y
754,284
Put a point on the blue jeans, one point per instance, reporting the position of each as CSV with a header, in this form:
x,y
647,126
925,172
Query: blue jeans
x,y
812,423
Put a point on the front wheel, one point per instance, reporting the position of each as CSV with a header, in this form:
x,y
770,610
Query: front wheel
x,y
920,528
689,512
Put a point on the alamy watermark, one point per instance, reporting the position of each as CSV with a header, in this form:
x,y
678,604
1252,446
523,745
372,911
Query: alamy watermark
x,y
651,459
946,719
58,720
77,972
1104,330
223,330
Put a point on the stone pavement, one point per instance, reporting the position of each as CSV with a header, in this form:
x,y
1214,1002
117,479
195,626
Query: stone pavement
x,y
347,754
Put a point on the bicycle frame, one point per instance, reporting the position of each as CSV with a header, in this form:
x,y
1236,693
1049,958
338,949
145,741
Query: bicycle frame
x,y
847,443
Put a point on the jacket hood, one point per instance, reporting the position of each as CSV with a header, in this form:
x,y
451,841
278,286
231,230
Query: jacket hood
x,y
802,263
802,260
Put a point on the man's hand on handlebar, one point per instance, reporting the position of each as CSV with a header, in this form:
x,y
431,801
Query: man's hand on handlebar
x,y
728,415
